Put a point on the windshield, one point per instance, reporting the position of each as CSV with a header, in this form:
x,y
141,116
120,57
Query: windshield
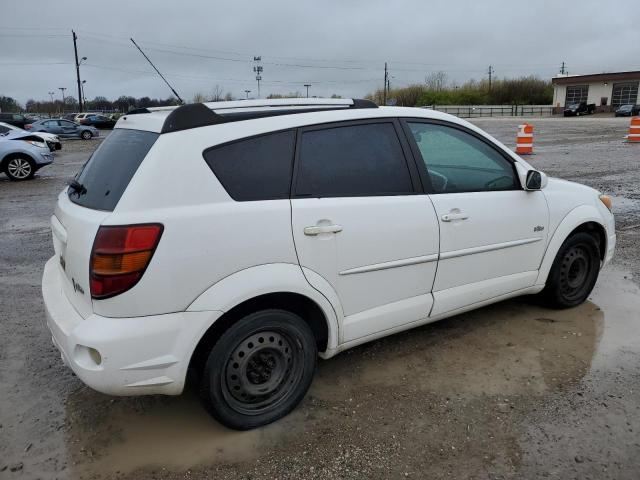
x,y
106,175
574,105
625,107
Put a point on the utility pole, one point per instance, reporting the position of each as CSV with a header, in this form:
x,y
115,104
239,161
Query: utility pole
x,y
491,71
307,85
562,70
257,68
247,92
386,83
75,49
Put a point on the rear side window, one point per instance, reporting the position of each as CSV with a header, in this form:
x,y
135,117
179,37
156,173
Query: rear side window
x,y
352,161
110,169
257,168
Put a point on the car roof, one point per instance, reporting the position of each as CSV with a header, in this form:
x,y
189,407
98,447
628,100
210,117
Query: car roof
x,y
283,113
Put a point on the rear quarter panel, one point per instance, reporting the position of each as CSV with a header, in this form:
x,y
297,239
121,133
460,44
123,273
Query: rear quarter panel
x,y
207,235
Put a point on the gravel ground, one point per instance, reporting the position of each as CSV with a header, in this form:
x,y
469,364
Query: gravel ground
x,y
508,391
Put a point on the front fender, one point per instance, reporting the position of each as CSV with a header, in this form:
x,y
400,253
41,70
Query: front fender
x,y
260,280
575,218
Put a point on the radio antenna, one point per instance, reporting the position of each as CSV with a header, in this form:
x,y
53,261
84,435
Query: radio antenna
x,y
161,76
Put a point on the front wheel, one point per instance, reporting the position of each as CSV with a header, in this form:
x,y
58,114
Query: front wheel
x,y
86,135
20,168
574,272
259,369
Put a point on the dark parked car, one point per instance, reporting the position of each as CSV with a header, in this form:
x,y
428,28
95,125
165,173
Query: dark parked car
x,y
577,109
98,121
64,128
628,110
16,119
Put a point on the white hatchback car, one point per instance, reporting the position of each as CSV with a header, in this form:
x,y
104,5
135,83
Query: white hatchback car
x,y
240,240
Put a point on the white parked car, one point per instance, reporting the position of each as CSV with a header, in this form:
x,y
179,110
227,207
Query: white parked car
x,y
243,239
11,131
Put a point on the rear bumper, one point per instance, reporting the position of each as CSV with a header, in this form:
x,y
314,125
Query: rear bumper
x,y
123,356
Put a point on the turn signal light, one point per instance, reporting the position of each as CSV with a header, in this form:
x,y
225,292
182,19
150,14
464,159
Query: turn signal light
x,y
606,199
120,256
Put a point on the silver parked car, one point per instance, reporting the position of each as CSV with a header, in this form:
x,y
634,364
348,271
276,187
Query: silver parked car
x,y
20,158
16,132
63,128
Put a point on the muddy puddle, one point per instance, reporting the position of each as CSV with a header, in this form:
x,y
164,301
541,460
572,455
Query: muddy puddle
x,y
514,348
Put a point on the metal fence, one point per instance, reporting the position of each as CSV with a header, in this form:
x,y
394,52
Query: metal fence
x,y
474,111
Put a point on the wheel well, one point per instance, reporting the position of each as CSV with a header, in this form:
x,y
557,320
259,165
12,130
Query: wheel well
x,y
3,163
598,232
306,308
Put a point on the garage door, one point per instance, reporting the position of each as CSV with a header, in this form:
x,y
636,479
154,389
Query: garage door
x,y
576,94
624,94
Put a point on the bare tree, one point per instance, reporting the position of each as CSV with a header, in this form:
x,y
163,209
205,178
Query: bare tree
x,y
217,94
436,81
199,98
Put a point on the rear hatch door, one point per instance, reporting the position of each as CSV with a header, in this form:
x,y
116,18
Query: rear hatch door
x,y
85,205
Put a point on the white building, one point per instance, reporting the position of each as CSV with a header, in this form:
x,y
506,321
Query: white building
x,y
607,90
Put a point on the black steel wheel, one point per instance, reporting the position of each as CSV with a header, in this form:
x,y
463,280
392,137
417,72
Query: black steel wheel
x,y
574,272
259,369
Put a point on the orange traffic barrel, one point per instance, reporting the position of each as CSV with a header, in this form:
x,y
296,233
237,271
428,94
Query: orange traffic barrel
x,y
524,140
634,130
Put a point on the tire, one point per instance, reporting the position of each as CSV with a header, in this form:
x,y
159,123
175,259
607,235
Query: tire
x,y
19,168
574,272
86,135
259,369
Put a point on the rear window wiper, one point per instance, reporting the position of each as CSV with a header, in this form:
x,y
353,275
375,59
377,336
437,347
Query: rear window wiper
x,y
77,187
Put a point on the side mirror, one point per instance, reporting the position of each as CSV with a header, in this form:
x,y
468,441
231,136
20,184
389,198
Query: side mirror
x,y
534,180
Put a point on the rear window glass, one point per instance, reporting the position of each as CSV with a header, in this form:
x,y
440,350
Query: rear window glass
x,y
257,168
110,169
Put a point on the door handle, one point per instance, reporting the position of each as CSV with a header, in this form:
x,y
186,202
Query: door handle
x,y
454,216
318,229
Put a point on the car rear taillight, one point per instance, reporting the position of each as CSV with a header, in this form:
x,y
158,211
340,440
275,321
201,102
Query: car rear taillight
x,y
120,256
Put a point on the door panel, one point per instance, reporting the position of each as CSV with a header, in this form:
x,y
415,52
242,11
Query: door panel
x,y
492,232
500,235
385,252
359,223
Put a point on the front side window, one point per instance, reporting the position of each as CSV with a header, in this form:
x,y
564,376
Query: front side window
x,y
351,161
257,168
456,161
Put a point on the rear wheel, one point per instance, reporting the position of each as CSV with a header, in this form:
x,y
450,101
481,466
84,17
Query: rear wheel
x,y
574,272
86,135
259,369
20,168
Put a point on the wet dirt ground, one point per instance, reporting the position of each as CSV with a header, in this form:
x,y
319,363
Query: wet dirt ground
x,y
512,390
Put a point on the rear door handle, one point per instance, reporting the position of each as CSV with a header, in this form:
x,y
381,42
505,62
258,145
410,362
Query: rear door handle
x,y
318,229
448,217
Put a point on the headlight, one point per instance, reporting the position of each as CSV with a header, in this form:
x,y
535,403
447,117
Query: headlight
x,y
606,199
37,143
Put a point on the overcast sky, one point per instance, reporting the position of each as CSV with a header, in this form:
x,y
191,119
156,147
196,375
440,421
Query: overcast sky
x,y
338,46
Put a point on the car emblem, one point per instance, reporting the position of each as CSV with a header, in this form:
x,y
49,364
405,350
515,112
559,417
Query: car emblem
x,y
539,228
77,287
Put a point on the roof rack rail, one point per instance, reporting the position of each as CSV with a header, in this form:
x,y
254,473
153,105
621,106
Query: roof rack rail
x,y
203,114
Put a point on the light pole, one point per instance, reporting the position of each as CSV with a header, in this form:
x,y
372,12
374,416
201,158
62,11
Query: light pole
x,y
247,92
307,85
52,104
62,89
